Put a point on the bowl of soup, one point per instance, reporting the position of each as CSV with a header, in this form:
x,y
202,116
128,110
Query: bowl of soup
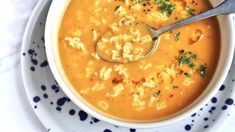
x,y
185,71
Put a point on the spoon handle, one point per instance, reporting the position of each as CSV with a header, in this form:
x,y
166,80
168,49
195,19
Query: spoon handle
x,y
228,6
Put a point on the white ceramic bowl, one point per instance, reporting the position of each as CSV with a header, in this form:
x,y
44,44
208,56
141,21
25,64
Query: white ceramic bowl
x,y
54,18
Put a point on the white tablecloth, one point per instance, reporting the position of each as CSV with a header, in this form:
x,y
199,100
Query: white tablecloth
x,y
16,115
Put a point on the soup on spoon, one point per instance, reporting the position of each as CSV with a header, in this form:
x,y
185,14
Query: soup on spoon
x,y
127,43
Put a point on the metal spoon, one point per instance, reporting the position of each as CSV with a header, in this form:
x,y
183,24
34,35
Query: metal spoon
x,y
226,7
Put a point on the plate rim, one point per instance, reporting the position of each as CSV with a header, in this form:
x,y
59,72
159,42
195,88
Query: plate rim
x,y
26,38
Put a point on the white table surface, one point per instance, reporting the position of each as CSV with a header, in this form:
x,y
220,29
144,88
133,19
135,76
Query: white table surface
x,y
16,114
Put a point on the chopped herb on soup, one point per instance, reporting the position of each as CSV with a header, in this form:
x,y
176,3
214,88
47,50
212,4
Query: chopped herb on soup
x,y
116,8
187,58
176,36
155,38
202,70
156,93
187,75
166,7
189,10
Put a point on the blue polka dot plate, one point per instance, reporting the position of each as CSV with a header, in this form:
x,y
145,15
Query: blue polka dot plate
x,y
58,114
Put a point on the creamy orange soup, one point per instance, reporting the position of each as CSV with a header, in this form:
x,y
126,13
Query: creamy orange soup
x,y
155,87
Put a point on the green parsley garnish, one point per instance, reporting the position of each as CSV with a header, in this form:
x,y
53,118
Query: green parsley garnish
x,y
187,58
202,70
194,56
137,1
156,93
159,1
155,38
117,7
187,75
176,36
166,6
190,11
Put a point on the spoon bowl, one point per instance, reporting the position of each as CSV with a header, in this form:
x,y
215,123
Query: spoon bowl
x,y
109,40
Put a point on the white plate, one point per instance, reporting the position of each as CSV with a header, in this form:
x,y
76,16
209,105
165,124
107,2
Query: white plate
x,y
59,114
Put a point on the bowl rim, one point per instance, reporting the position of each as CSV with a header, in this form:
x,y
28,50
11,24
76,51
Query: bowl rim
x,y
51,32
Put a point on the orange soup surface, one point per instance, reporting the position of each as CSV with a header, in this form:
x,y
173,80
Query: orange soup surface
x,y
155,87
